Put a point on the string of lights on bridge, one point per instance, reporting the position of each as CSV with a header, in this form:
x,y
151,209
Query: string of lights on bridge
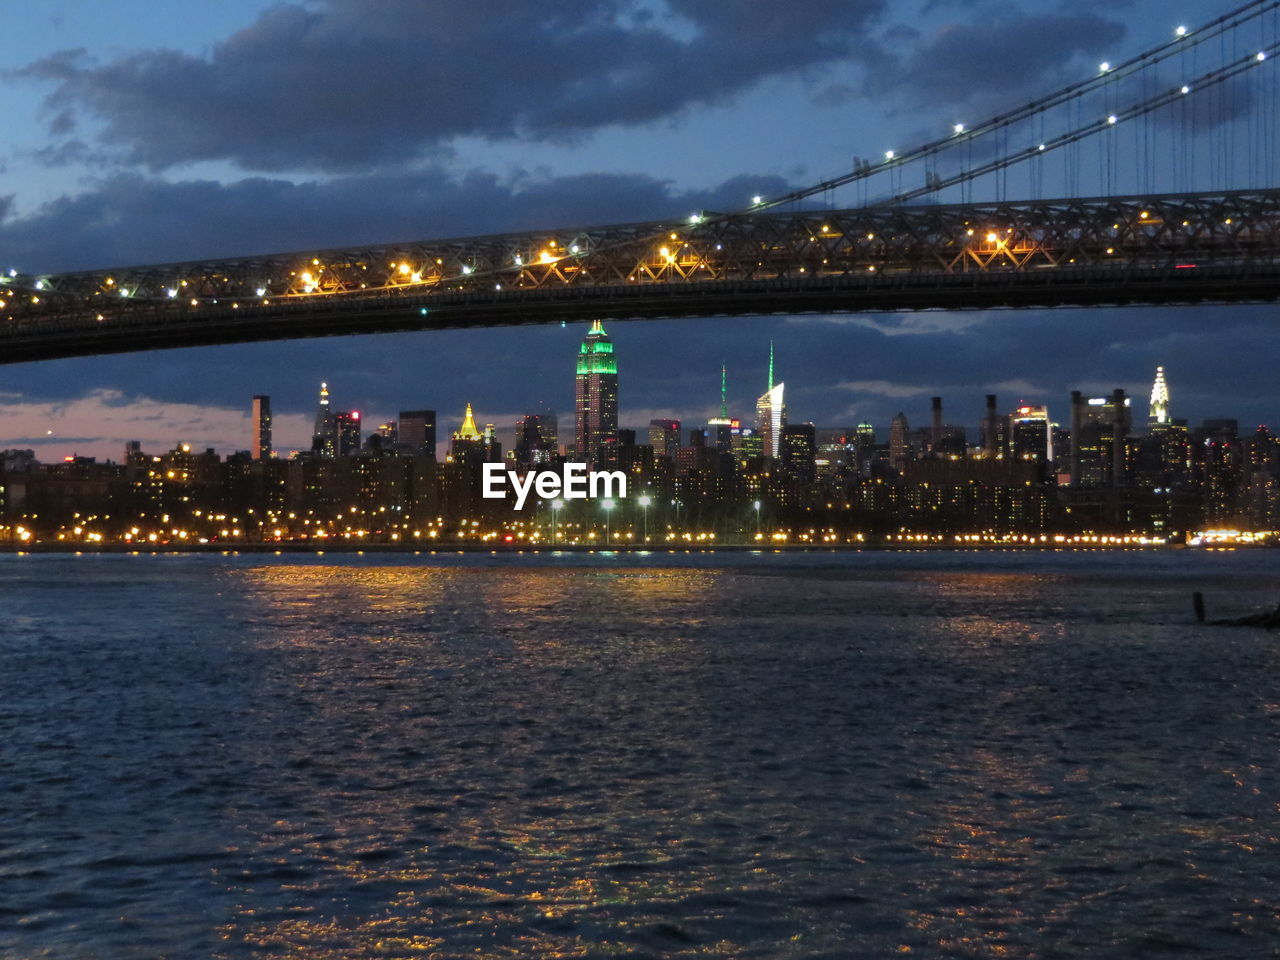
x,y
331,274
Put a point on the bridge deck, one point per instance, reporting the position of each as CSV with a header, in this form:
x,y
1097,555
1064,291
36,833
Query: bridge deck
x,y
1132,250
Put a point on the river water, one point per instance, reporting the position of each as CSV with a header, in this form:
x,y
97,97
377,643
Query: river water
x,y
715,755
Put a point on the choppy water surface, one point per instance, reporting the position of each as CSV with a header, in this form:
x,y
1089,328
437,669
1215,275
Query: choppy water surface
x,y
716,756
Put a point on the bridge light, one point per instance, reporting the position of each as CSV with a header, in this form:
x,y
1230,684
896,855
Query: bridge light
x,y
574,248
262,291
306,278
1112,119
1261,56
519,261
1042,146
546,257
1180,32
992,238
1104,67
695,218
195,302
403,268
315,263
124,292
1186,89
14,273
173,292
888,154
466,269
757,200
958,128
415,277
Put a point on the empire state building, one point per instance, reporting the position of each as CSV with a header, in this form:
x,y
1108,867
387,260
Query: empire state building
x,y
596,398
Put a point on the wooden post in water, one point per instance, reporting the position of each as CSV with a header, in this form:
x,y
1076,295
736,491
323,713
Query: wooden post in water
x,y
1197,601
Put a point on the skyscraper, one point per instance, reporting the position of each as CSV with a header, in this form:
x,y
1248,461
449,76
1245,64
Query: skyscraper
x,y
346,429
664,437
799,449
1099,426
720,429
899,445
467,440
771,413
1031,433
1159,399
262,427
324,441
596,398
417,433
535,439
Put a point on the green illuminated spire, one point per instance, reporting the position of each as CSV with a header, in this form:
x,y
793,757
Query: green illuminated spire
x,y
596,353
724,394
770,364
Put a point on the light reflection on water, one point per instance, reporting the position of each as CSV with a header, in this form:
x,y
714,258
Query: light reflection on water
x,y
600,757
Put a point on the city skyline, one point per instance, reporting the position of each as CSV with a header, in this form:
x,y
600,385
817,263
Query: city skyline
x,y
293,433
90,183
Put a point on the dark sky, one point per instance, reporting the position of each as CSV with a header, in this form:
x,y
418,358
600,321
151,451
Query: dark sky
x,y
145,131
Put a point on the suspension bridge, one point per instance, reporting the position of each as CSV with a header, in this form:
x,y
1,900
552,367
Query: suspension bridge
x,y
902,231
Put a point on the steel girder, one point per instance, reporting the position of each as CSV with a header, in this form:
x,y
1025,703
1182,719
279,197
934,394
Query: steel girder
x,y
1157,249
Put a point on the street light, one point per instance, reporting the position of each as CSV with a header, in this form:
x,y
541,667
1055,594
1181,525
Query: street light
x,y
555,508
757,506
606,506
644,507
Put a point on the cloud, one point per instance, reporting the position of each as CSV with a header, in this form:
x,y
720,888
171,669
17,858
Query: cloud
x,y
925,323
339,86
994,53
883,388
129,219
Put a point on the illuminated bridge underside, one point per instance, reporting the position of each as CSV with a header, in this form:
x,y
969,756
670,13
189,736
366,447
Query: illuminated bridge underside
x,y
1222,248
